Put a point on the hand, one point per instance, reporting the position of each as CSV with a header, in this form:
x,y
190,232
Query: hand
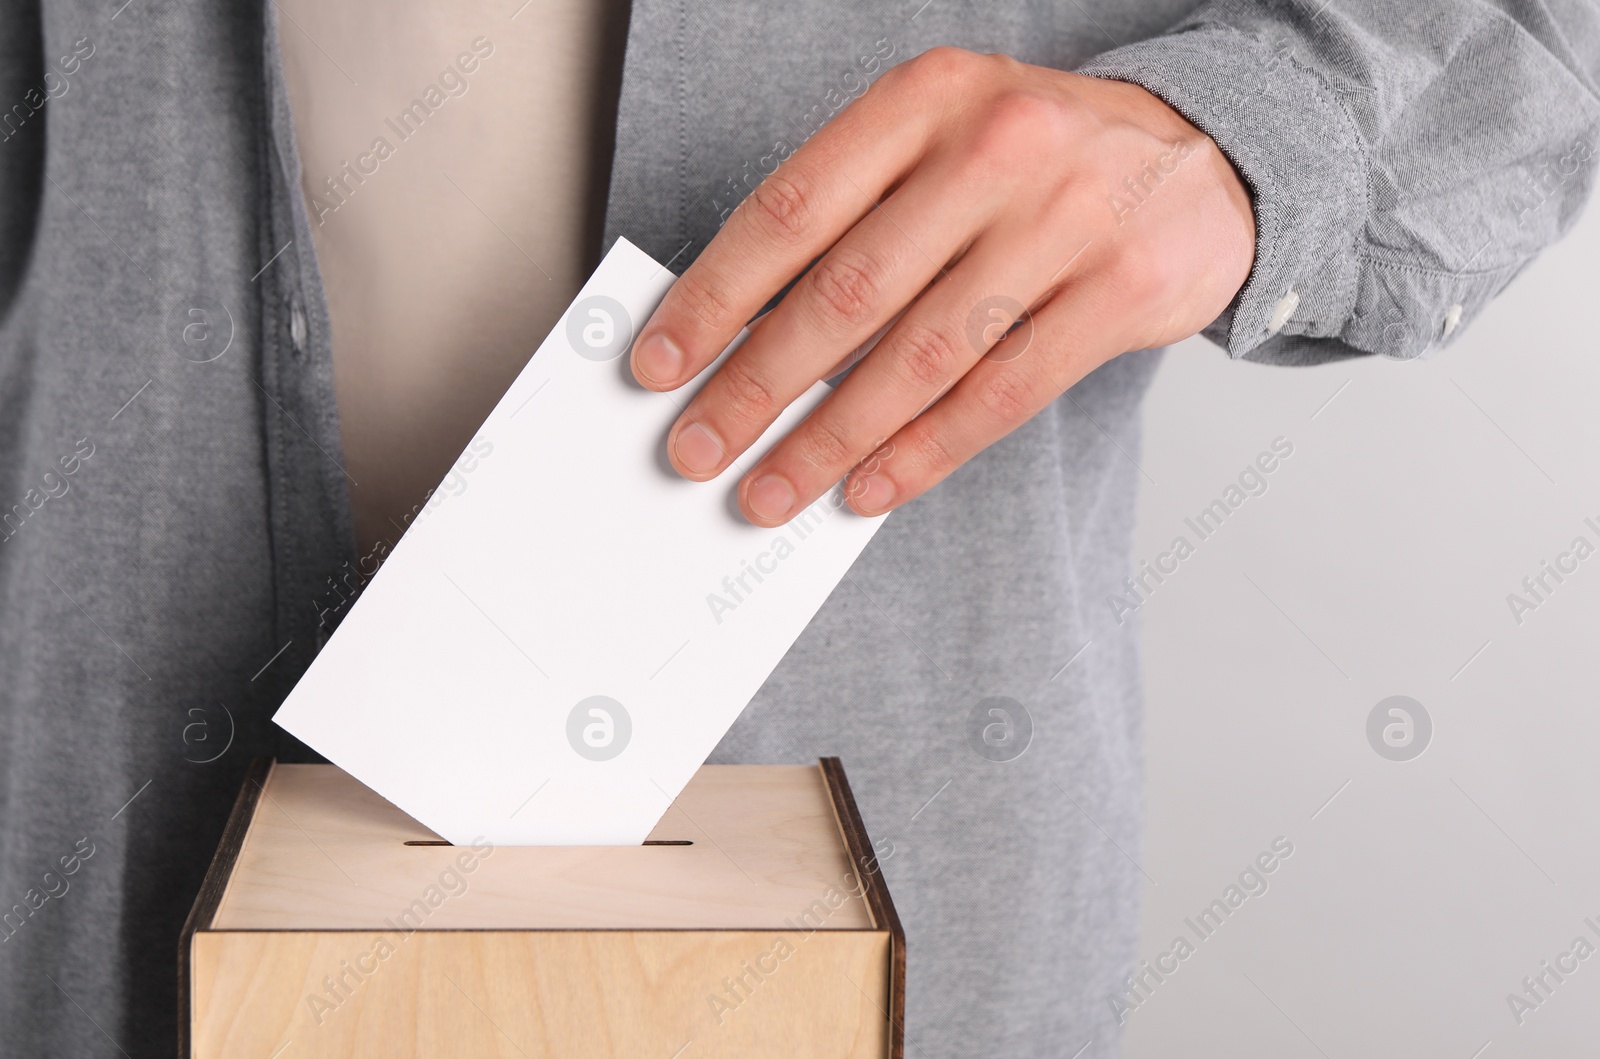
x,y
960,188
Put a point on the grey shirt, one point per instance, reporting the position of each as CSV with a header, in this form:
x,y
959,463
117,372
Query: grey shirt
x,y
175,537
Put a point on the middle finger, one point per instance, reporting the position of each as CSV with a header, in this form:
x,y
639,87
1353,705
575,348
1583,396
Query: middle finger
x,y
949,328
868,276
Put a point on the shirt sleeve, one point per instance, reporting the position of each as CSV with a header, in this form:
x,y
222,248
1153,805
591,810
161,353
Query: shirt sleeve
x,y
1406,159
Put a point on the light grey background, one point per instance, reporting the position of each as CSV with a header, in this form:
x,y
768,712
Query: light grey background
x,y
1377,564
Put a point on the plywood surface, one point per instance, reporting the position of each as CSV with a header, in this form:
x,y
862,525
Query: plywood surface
x,y
325,853
500,995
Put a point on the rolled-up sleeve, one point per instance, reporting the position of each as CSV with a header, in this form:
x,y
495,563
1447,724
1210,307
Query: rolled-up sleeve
x,y
1405,160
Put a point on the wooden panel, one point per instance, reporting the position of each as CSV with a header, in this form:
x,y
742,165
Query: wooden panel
x,y
858,845
325,852
506,994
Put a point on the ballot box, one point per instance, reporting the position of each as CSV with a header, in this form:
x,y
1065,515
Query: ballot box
x,y
754,922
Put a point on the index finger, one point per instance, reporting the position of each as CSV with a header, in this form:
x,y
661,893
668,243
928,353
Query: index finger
x,y
789,220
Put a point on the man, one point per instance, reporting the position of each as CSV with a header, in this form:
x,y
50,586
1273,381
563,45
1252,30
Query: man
x,y
225,387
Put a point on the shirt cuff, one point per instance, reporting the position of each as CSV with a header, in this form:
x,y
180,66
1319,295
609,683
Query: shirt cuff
x,y
1299,152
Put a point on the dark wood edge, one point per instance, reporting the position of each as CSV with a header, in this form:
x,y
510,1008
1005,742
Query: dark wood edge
x,y
876,892
204,910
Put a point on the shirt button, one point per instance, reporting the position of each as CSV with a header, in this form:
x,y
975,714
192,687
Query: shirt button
x,y
1283,311
297,328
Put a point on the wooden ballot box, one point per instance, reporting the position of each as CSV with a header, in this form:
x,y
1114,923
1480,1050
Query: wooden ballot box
x,y
753,923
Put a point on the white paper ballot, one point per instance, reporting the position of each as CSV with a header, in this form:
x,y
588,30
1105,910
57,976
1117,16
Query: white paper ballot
x,y
568,627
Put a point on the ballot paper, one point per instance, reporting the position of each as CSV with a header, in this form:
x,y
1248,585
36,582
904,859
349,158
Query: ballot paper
x,y
567,628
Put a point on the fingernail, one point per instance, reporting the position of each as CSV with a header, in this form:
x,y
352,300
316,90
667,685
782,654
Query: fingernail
x,y
698,449
874,493
658,358
771,497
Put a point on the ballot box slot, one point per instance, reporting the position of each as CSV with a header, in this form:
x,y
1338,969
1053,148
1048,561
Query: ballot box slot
x,y
647,842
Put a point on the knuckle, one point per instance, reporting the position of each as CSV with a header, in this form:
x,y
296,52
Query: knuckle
x,y
845,287
882,451
704,298
746,397
1023,122
928,453
1007,396
1139,276
926,357
782,204
825,446
941,64
1024,108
